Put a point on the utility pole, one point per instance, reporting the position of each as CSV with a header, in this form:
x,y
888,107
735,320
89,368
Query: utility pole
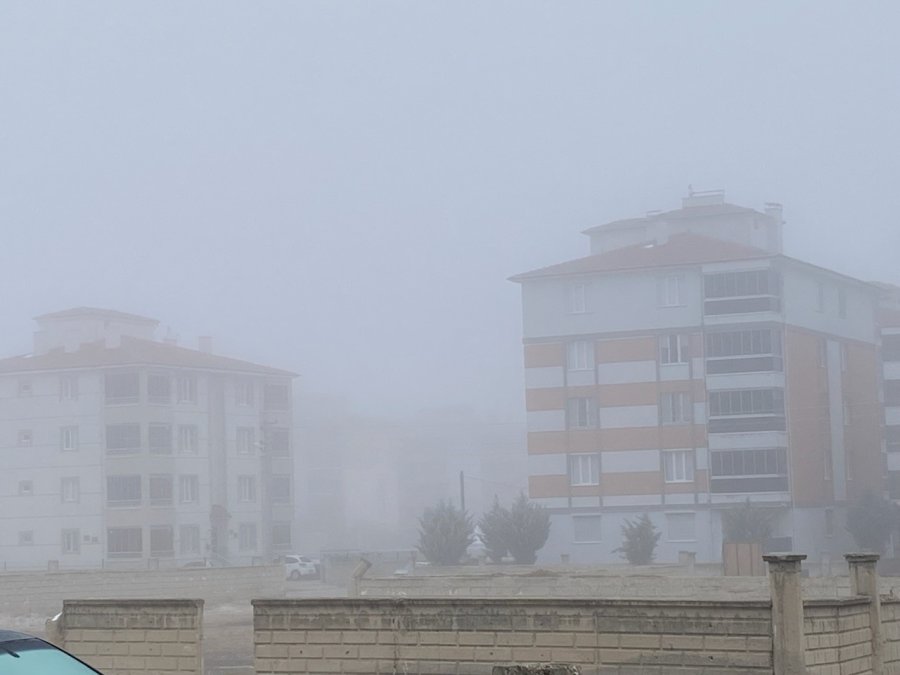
x,y
462,491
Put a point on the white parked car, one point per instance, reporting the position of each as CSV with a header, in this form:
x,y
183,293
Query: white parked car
x,y
298,566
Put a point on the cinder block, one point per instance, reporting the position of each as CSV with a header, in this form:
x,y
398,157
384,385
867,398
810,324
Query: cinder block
x,y
515,639
560,639
472,638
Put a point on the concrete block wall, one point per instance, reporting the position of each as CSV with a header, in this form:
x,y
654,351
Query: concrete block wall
x,y
838,636
560,583
890,621
131,637
470,637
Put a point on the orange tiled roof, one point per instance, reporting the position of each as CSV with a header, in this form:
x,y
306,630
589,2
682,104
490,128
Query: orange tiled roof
x,y
133,352
680,250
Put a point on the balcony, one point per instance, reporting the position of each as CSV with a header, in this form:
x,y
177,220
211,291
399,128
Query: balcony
x,y
743,292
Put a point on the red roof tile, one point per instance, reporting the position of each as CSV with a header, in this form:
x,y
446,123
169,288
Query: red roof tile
x,y
132,352
680,250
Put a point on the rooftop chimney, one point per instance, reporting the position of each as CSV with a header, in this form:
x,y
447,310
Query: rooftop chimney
x,y
774,211
205,344
171,338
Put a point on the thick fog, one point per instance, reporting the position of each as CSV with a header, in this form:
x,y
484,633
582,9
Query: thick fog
x,y
343,188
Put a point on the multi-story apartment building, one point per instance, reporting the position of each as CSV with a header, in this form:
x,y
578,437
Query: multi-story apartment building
x,y
687,365
889,320
121,449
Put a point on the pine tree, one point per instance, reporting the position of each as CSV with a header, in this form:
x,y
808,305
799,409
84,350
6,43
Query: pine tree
x,y
445,532
639,538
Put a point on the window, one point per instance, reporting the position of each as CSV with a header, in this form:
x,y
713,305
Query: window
x,y
755,462
890,347
26,488
123,438
189,540
247,537
820,296
159,388
159,437
741,292
829,522
246,440
743,351
845,357
673,349
670,291
277,397
722,344
244,392
892,392
25,438
122,388
577,298
848,413
71,542
842,303
124,542
123,490
586,529
278,442
70,489
188,442
678,466
740,284
162,542
25,388
187,389
68,388
746,410
247,488
188,489
160,489
892,436
580,413
281,536
584,469
680,527
675,407
280,489
26,538
580,355
68,439
750,470
746,402
822,352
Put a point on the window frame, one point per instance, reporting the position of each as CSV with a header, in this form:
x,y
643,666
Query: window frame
x,y
676,408
584,517
686,465
580,355
584,469
682,351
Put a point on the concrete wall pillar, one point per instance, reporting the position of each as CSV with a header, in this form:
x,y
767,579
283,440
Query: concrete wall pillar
x,y
788,639
864,581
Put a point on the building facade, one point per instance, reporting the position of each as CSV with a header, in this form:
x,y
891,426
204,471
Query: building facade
x,y
687,365
122,450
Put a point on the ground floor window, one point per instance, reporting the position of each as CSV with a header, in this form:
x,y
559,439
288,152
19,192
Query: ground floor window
x,y
587,528
124,542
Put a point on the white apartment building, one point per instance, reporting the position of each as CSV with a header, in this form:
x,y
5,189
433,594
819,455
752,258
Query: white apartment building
x,y
123,450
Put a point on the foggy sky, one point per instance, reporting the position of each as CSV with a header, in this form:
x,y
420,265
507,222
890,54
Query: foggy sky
x,y
342,188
